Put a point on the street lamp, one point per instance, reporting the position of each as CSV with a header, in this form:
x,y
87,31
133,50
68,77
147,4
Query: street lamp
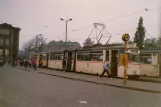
x,y
66,21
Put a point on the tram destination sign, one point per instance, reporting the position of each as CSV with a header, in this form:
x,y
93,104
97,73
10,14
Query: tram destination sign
x,y
131,45
133,51
4,31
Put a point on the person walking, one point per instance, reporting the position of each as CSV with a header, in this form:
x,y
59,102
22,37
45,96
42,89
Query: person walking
x,y
15,63
26,64
1,62
106,69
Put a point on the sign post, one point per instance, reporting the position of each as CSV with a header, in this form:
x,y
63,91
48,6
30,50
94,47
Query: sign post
x,y
125,38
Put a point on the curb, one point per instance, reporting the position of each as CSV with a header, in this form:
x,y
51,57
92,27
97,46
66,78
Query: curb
x,y
147,80
105,84
142,80
97,83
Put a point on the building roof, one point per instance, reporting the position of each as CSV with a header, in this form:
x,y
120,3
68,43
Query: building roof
x,y
9,25
61,43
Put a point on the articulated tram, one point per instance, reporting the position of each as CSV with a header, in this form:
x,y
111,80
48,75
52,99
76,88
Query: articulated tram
x,y
90,60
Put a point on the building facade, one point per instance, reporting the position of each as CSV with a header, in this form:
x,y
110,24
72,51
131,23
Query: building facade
x,y
9,41
60,46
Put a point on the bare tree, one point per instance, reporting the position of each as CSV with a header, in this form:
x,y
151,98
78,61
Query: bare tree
x,y
87,42
35,43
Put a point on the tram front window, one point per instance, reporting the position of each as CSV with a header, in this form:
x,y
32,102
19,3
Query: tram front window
x,y
133,58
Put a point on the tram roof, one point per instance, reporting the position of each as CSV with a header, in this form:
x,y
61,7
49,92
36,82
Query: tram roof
x,y
56,51
104,47
94,47
150,51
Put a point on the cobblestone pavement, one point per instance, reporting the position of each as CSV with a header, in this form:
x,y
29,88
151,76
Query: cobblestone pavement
x,y
19,88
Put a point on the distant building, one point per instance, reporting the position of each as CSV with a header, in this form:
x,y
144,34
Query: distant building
x,y
22,54
9,41
59,46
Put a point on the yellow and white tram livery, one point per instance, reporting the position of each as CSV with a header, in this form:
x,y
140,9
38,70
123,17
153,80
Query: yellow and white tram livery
x,y
90,60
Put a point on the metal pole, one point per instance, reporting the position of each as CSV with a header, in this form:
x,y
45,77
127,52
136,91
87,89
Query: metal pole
x,y
66,32
41,47
36,44
125,65
28,53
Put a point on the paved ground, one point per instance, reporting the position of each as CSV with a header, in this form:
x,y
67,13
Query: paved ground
x,y
151,79
136,85
20,88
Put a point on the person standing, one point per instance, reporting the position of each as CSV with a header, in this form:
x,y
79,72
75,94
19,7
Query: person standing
x,y
15,63
106,69
30,63
9,62
35,64
64,64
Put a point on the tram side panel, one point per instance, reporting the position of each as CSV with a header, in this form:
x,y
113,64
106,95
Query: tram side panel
x,y
73,63
91,67
149,64
133,67
97,67
149,70
55,61
132,70
55,64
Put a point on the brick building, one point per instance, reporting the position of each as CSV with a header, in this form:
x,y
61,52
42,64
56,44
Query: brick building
x,y
9,41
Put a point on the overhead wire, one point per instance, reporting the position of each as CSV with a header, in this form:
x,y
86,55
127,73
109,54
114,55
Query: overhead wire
x,y
148,34
113,19
136,5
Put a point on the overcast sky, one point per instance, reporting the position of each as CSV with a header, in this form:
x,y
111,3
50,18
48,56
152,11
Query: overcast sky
x,y
33,15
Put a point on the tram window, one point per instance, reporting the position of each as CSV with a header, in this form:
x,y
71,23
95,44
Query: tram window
x,y
145,59
133,58
44,57
41,57
80,57
35,57
90,56
97,57
59,57
51,56
56,56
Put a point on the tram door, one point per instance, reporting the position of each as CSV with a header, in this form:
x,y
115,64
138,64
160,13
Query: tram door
x,y
69,61
64,60
74,60
40,60
47,60
114,63
159,62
